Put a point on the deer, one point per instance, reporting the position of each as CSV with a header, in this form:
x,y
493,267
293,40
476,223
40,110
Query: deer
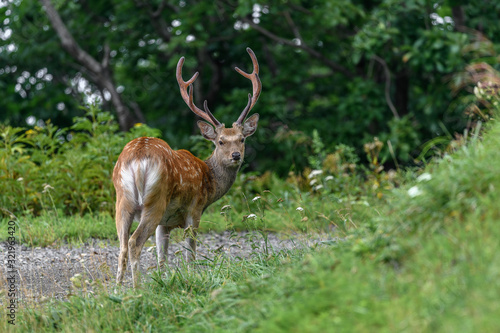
x,y
164,189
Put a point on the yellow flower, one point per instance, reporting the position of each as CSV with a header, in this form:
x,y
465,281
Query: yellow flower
x,y
138,124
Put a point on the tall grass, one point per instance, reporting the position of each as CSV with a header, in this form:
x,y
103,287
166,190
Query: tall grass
x,y
424,260
420,255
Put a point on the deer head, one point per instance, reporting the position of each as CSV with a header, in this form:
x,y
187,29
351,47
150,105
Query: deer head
x,y
229,142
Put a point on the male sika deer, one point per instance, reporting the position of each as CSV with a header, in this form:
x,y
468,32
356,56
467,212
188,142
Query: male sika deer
x,y
165,189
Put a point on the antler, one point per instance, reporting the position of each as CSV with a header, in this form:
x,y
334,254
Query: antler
x,y
188,96
256,84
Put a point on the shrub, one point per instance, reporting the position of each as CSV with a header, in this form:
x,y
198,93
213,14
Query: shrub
x,y
67,170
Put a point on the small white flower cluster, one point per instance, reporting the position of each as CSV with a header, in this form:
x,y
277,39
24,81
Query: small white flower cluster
x,y
224,208
414,192
300,209
313,181
46,188
256,198
315,173
479,91
317,187
252,216
424,177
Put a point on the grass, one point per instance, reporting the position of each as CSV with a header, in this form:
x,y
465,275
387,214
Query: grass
x,y
48,229
272,214
424,259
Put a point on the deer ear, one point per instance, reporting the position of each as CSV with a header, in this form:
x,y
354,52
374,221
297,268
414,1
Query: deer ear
x,y
250,125
207,130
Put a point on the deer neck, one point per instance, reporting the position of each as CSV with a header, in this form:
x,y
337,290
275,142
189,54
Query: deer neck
x,y
222,178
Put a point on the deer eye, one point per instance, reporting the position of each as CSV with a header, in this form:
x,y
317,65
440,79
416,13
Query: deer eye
x,y
243,140
221,143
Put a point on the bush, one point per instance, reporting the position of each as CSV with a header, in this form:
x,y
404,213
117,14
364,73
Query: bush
x,y
65,170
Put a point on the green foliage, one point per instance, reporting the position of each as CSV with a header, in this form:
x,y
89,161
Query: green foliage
x,y
318,155
53,173
412,254
337,77
403,136
67,170
424,260
52,228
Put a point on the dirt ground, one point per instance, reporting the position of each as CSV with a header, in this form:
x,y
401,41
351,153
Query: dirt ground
x,y
55,272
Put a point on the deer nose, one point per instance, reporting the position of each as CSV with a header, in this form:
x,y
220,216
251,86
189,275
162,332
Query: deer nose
x,y
236,156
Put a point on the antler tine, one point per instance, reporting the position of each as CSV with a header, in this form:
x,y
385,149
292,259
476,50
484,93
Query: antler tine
x,y
188,96
256,85
207,111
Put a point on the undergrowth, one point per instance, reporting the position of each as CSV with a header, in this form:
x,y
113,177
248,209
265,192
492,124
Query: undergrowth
x,y
424,260
417,254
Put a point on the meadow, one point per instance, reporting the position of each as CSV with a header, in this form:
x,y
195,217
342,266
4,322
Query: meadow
x,y
415,250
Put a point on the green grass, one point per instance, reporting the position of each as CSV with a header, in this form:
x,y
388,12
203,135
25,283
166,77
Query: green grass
x,y
49,229
272,214
423,263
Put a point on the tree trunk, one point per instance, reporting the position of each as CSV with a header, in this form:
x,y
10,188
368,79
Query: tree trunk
x,y
458,15
401,98
99,72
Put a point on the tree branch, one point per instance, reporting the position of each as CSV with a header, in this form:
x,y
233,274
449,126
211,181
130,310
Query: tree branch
x,y
67,41
292,25
106,56
387,75
159,24
100,73
333,65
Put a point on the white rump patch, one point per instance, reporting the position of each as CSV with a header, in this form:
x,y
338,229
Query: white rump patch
x,y
139,178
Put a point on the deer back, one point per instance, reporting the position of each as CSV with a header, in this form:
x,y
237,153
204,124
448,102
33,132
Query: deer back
x,y
148,172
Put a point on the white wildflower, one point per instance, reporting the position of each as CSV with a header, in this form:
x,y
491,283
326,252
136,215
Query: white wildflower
x,y
252,216
312,182
318,187
328,178
20,179
46,188
256,198
315,173
226,207
300,209
424,177
414,192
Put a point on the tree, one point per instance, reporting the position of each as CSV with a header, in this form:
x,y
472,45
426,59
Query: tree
x,y
350,69
99,72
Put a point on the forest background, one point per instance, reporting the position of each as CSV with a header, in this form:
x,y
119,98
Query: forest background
x,y
339,72
353,89
377,131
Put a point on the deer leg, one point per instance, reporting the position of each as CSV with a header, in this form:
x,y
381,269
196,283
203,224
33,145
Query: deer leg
x,y
150,220
162,239
123,222
192,223
191,246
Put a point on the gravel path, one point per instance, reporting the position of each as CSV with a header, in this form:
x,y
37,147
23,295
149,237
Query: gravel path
x,y
53,272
